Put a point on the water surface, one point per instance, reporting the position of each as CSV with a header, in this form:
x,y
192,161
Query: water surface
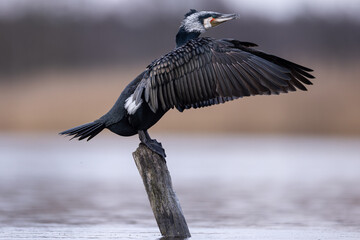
x,y
230,187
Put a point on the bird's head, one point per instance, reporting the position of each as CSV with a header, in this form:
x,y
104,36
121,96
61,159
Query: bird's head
x,y
201,21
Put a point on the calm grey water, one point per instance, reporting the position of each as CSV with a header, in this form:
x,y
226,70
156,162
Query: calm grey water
x,y
230,187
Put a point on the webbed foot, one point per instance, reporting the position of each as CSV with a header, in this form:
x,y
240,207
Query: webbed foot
x,y
152,144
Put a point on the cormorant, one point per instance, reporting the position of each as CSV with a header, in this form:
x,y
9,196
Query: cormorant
x,y
199,72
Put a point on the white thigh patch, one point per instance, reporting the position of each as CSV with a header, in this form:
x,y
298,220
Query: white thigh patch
x,y
131,106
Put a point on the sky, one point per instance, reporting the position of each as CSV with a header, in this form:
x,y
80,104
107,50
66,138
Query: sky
x,y
274,9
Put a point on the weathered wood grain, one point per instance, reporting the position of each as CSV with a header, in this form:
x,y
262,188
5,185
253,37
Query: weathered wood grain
x,y
163,200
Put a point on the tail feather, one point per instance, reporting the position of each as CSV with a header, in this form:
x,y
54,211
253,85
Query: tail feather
x,y
88,130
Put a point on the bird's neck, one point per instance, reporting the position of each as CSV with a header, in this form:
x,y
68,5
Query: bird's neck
x,y
184,36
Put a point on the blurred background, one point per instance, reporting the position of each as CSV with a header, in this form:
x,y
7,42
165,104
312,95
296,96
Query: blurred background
x,y
288,161
63,63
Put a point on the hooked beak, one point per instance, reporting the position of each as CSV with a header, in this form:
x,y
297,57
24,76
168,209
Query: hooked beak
x,y
223,18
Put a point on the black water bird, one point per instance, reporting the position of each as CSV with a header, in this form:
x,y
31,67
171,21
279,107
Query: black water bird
x,y
199,72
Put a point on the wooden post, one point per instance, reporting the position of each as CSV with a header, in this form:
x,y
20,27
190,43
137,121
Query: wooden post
x,y
163,200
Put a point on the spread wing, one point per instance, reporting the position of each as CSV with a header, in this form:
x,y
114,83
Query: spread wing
x,y
205,72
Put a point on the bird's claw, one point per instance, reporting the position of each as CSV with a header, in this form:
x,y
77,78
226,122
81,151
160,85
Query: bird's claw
x,y
156,147
152,144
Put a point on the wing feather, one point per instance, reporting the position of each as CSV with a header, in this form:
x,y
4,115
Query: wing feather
x,y
205,72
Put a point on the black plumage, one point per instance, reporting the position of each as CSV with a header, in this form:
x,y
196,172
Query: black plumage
x,y
199,72
215,71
